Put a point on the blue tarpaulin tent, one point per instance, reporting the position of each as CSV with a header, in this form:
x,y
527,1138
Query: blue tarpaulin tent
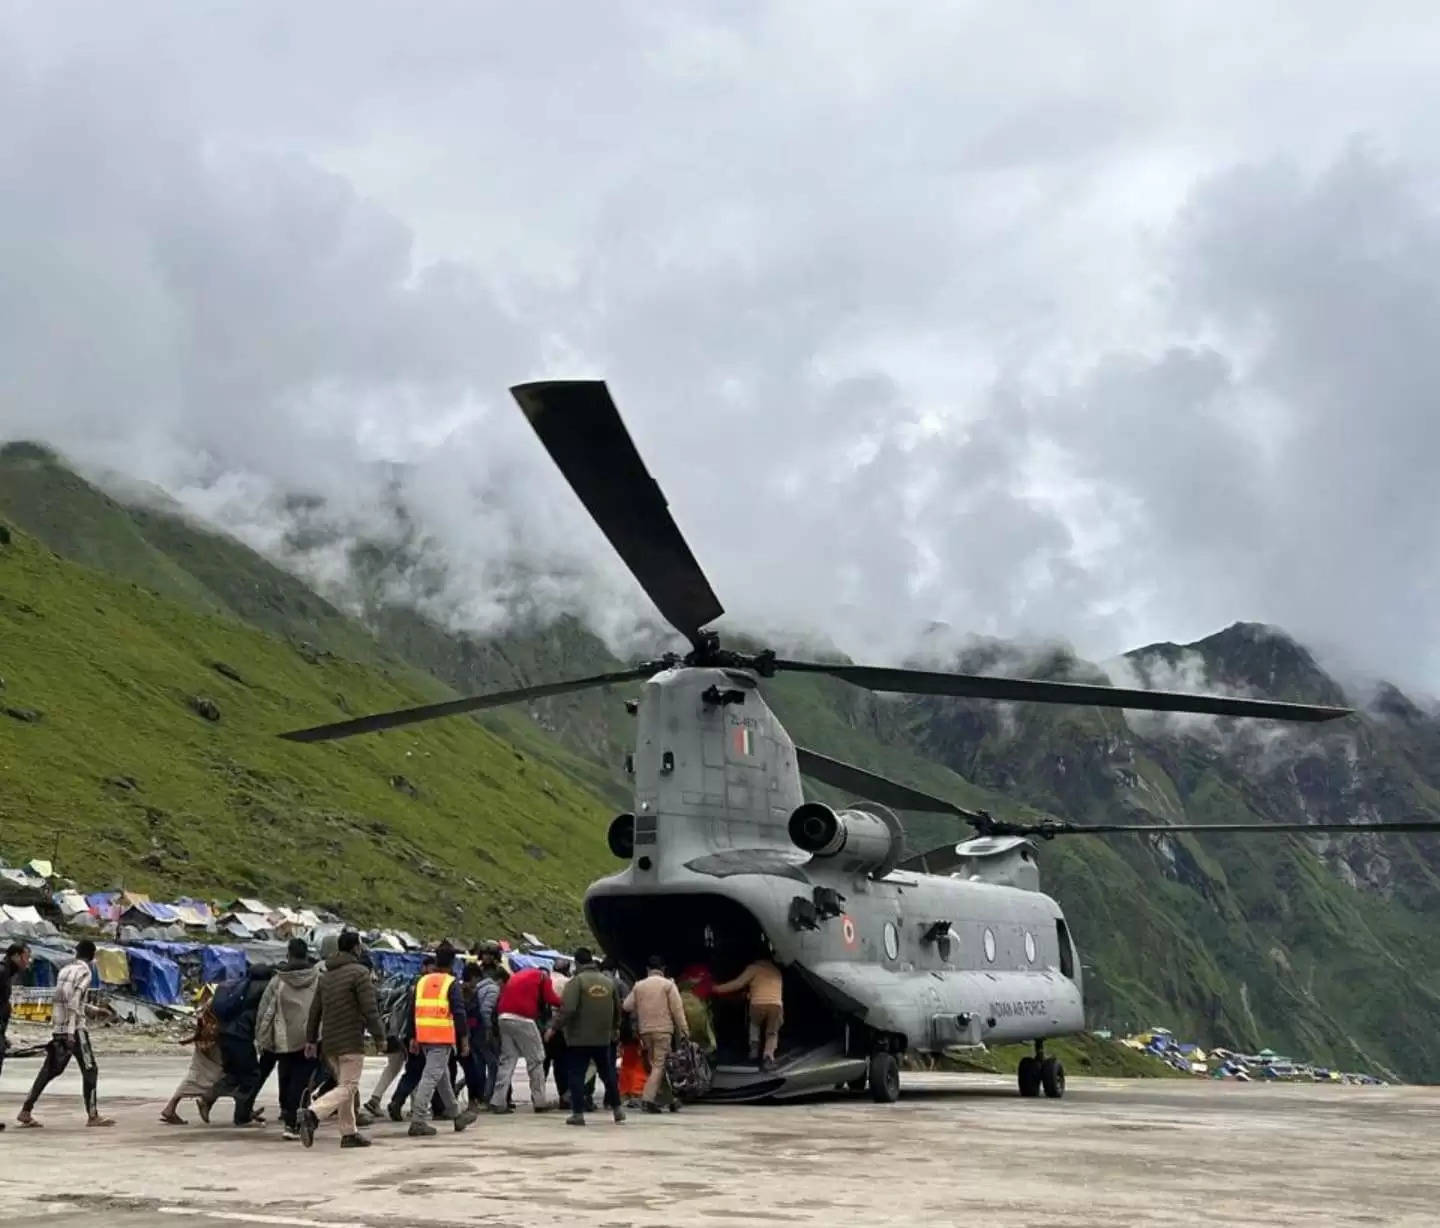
x,y
153,977
395,963
222,964
170,950
518,961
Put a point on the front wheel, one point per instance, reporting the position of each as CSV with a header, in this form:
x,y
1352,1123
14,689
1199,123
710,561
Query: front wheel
x,y
884,1078
1052,1077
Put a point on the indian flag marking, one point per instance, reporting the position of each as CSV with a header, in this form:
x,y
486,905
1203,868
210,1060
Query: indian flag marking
x,y
744,742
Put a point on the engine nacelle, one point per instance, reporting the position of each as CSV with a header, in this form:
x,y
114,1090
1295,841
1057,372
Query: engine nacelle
x,y
865,838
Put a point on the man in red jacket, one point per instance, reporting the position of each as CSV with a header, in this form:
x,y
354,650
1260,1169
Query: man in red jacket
x,y
527,996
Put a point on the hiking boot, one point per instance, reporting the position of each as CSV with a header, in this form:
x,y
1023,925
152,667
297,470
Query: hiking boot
x,y
356,1140
309,1123
575,1119
396,1110
421,1129
619,1114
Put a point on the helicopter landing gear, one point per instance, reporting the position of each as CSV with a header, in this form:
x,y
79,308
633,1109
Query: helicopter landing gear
x,y
1028,1076
884,1078
1041,1073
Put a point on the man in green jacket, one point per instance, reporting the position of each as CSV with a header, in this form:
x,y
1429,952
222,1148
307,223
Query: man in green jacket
x,y
589,1019
341,1012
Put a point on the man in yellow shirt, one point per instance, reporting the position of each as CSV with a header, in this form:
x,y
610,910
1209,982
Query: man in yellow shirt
x,y
766,986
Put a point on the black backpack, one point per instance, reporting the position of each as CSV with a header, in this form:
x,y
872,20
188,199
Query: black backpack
x,y
229,1000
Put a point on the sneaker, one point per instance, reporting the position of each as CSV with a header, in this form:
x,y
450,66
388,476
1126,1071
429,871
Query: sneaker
x,y
590,1104
354,1140
619,1115
542,1108
364,1119
495,1108
463,1119
373,1106
575,1119
396,1110
421,1129
650,1106
308,1125
290,1134
673,1106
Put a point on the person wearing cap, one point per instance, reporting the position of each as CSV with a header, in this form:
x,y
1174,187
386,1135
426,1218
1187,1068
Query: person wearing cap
x,y
589,1020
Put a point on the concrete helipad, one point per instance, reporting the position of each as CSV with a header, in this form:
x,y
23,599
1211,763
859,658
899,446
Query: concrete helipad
x,y
955,1150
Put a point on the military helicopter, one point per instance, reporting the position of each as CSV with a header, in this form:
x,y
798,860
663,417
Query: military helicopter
x,y
726,859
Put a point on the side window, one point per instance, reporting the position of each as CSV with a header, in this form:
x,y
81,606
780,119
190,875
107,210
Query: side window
x,y
1067,952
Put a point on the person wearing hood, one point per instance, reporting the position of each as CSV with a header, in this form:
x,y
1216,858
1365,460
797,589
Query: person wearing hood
x,y
280,1028
238,1017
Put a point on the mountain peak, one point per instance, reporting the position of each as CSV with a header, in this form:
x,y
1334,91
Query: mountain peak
x,y
1245,656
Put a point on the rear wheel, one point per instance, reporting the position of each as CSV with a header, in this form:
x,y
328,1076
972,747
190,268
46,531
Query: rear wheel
x,y
1052,1077
884,1078
1028,1076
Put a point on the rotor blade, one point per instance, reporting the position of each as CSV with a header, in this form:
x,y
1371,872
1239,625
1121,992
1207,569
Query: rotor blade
x,y
1001,827
876,788
454,707
582,430
974,686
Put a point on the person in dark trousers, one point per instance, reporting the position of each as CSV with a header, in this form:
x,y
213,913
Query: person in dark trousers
x,y
480,994
239,1012
404,1025
70,1037
589,1019
280,1028
342,1011
16,961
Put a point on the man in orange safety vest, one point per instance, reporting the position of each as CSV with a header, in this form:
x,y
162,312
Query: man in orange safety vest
x,y
439,1028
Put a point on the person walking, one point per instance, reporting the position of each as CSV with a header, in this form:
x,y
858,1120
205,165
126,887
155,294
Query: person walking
x,y
396,1011
659,1015
204,1081
70,1038
589,1020
523,1000
16,961
237,1006
341,1012
767,997
280,1028
440,1028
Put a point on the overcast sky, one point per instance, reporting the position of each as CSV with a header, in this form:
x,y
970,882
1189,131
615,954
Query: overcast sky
x,y
1111,322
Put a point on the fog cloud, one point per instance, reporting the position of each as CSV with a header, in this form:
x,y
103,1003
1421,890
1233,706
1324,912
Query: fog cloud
x,y
1027,324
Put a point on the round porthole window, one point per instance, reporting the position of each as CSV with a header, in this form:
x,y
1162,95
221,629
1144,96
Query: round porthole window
x,y
990,945
1030,946
892,941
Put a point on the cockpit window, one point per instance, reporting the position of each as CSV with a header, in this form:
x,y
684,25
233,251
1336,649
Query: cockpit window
x,y
1067,952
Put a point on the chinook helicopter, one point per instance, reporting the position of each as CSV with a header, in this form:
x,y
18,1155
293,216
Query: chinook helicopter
x,y
881,954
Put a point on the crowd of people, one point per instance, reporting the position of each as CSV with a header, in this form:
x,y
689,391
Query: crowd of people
x,y
443,1037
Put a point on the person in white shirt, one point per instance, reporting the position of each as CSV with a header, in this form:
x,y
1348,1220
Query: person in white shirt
x,y
70,1038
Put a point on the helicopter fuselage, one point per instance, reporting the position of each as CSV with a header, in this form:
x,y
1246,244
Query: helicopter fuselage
x,y
874,957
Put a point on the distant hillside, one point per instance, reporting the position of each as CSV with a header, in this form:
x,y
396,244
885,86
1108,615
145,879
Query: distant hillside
x,y
1323,946
104,756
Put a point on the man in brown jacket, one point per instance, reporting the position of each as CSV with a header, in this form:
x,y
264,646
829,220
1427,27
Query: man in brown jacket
x,y
659,1014
766,985
340,1014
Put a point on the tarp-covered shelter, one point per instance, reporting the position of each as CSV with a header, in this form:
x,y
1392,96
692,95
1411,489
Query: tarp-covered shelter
x,y
105,905
395,963
70,903
516,961
249,905
222,964
153,977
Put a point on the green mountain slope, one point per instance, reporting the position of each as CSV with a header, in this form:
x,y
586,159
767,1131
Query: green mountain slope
x,y
1321,946
103,755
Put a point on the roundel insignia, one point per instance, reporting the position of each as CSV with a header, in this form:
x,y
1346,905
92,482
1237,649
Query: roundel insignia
x,y
847,931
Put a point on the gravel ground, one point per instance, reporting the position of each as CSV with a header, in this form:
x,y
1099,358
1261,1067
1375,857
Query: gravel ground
x,y
956,1149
